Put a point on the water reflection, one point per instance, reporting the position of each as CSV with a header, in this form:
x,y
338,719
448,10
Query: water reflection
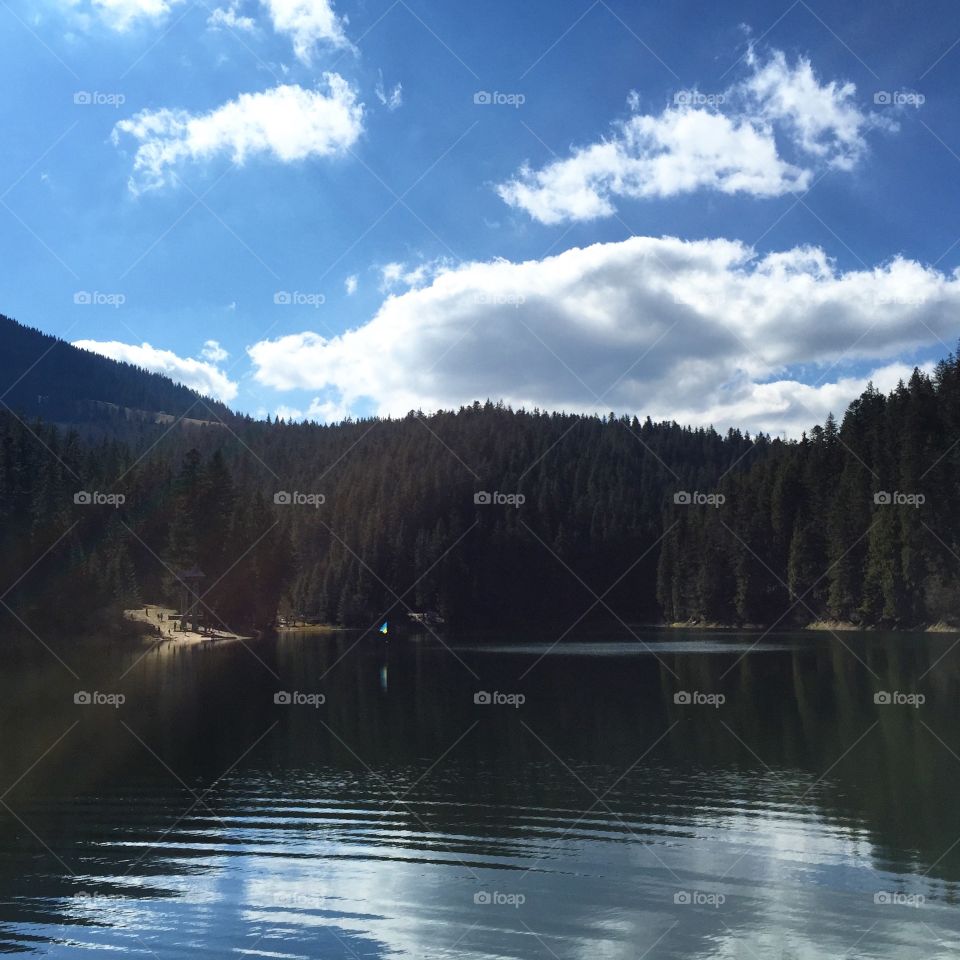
x,y
777,810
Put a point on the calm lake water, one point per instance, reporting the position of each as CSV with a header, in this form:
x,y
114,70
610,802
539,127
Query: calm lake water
x,y
781,812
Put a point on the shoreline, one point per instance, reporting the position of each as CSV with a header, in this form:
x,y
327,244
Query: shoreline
x,y
162,620
153,624
816,626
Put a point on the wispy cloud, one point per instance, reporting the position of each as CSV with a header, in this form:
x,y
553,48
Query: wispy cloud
x,y
287,123
230,18
122,15
763,137
308,23
391,99
213,352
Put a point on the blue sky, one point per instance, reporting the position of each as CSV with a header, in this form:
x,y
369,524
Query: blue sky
x,y
702,211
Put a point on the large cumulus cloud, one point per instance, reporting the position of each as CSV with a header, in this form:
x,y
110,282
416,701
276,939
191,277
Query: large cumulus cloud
x,y
701,331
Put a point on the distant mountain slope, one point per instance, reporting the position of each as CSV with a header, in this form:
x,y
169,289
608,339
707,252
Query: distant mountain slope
x,y
45,376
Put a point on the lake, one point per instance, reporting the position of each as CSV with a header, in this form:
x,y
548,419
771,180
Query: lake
x,y
685,795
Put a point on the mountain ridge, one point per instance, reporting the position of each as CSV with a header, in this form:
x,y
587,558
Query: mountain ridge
x,y
48,377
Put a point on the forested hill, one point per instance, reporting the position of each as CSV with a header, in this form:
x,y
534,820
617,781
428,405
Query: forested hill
x,y
494,516
487,515
44,376
856,522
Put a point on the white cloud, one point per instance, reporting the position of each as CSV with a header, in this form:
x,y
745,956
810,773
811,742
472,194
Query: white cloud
x,y
120,15
287,123
204,377
823,119
230,18
390,99
351,284
213,352
395,276
680,151
732,142
704,331
319,411
307,23
787,407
